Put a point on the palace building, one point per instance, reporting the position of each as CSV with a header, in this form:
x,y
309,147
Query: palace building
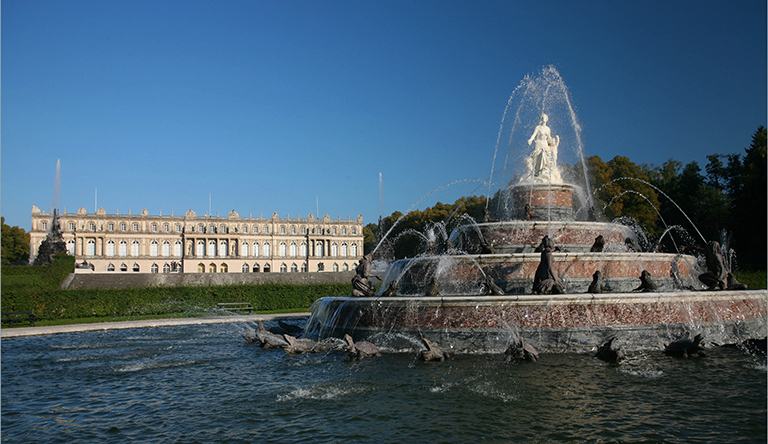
x,y
114,243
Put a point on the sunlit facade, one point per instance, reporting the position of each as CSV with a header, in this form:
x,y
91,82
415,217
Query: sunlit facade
x,y
143,243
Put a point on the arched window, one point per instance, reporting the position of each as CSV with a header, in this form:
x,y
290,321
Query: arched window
x,y
200,249
136,268
304,267
111,267
256,268
111,249
345,267
244,249
224,268
354,250
135,249
321,267
255,251
153,249
153,268
283,268
319,249
266,268
303,249
212,268
223,248
294,268
282,249
344,249
293,249
245,267
166,268
266,251
122,249
335,267
123,267
91,249
166,249
334,249
200,268
211,249
177,248
71,247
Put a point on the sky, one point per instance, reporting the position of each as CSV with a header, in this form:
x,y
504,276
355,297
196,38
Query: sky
x,y
348,107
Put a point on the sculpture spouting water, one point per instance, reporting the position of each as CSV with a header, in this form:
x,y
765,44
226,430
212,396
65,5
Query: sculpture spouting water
x,y
530,274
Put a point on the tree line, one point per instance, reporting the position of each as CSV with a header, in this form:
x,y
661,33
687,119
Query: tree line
x,y
726,201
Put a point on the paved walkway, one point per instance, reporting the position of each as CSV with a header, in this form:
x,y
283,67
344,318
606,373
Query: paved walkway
x,y
101,326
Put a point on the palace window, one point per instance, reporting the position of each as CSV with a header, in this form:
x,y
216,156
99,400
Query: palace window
x,y
294,268
319,249
153,268
334,249
166,268
135,248
123,227
335,267
255,249
111,227
200,248
354,250
245,268
244,249
245,229
266,251
256,229
224,268
111,267
345,267
293,229
91,226
344,250
223,249
178,228
293,249
71,226
123,250
304,268
256,268
211,249
153,249
200,268
282,249
282,229
123,267
303,230
44,225
71,247
266,268
154,228
334,230
266,229
110,248
135,227
91,249
283,268
321,267
166,228
177,249
166,248
343,230
136,268
303,249
212,268
354,231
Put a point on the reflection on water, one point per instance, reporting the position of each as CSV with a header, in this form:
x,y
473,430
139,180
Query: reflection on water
x,y
206,384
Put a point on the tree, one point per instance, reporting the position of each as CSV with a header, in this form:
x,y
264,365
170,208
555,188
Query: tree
x,y
750,205
15,244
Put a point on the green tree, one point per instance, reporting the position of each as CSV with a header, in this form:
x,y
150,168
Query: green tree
x,y
15,244
750,206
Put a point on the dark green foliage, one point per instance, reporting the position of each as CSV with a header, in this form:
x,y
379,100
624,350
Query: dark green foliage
x,y
15,244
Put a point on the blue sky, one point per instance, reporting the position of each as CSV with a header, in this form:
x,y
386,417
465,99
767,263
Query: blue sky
x,y
291,106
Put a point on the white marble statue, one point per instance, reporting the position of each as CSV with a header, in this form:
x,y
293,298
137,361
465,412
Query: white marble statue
x,y
541,164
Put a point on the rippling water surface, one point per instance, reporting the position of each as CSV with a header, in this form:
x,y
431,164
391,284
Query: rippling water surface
x,y
206,384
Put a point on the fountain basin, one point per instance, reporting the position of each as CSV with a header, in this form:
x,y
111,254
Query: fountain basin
x,y
465,275
569,322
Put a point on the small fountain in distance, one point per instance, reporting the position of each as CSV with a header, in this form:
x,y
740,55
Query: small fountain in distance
x,y
477,294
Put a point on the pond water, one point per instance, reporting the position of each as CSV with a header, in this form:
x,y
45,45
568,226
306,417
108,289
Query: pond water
x,y
206,384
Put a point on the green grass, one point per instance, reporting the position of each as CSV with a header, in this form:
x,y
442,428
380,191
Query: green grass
x,y
753,278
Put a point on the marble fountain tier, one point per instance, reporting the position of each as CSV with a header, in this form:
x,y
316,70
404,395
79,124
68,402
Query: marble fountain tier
x,y
478,294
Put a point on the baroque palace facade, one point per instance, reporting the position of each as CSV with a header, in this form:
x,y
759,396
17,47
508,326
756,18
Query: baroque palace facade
x,y
113,243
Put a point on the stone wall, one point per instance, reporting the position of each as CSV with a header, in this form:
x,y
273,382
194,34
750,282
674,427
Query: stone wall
x,y
123,280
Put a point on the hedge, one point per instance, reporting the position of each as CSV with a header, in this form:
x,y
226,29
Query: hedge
x,y
37,289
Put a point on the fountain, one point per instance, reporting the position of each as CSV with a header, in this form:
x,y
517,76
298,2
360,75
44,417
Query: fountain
x,y
546,270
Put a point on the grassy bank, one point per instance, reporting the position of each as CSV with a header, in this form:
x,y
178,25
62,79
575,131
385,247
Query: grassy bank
x,y
37,289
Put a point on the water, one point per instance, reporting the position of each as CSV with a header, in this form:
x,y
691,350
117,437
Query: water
x,y
206,384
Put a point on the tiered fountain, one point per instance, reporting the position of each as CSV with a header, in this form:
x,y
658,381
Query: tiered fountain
x,y
482,292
